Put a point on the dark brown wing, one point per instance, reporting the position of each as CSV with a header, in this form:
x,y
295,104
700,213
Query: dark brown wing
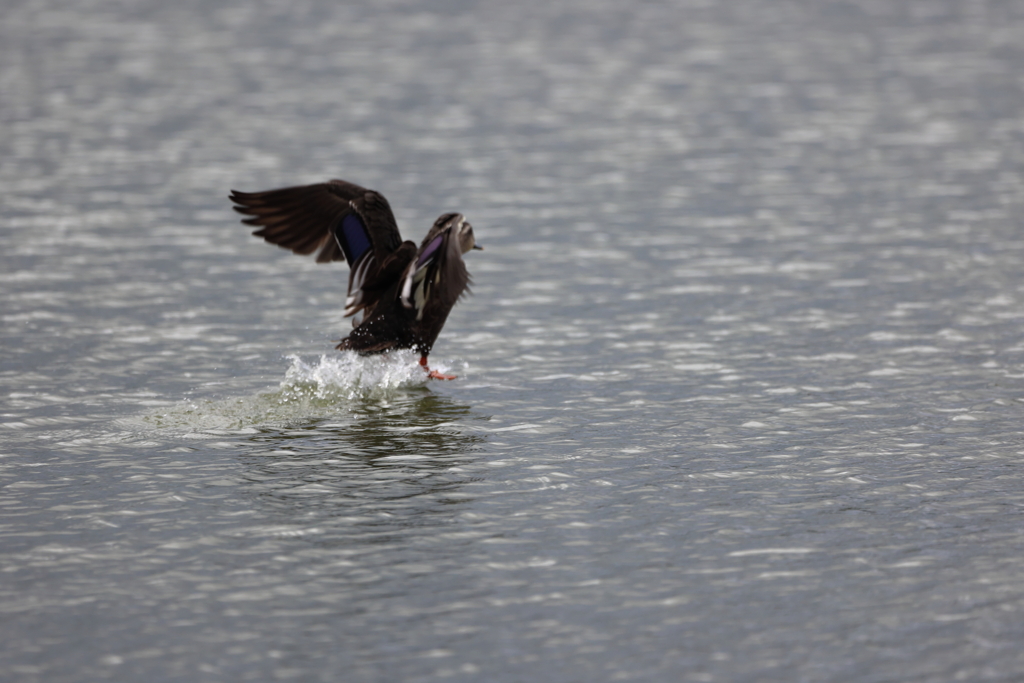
x,y
376,284
337,218
437,277
307,218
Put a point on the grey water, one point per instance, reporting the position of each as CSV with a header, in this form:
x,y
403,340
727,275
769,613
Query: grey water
x,y
741,380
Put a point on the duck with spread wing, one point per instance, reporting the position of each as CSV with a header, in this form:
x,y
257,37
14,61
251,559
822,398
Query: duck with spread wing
x,y
404,293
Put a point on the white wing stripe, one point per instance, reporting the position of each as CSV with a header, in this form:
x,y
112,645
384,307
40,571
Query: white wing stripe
x,y
355,287
360,274
407,290
414,277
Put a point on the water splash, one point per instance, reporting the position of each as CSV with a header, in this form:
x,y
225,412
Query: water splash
x,y
349,376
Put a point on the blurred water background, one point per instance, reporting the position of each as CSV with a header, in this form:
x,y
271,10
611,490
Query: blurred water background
x,y
741,380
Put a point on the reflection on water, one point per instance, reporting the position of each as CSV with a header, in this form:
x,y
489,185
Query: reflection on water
x,y
382,456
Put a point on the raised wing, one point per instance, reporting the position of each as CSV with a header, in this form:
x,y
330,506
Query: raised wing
x,y
337,218
438,275
307,218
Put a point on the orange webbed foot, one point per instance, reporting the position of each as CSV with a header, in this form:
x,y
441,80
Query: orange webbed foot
x,y
433,374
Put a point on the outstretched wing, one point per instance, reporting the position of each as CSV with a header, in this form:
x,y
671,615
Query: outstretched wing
x,y
336,218
438,275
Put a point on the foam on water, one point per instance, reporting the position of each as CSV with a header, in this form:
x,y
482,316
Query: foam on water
x,y
331,385
350,376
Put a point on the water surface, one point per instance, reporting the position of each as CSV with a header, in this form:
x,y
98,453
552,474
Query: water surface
x,y
740,387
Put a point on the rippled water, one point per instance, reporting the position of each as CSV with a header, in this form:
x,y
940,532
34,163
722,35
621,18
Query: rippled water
x,y
740,383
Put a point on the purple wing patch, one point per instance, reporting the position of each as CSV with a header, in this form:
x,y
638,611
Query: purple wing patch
x,y
431,248
352,235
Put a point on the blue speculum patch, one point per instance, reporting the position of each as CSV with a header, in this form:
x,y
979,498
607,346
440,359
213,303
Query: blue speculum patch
x,y
355,240
431,248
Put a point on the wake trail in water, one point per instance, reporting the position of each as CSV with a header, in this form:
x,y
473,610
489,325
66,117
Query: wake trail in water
x,y
331,385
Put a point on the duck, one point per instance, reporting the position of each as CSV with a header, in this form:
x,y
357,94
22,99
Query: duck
x,y
399,295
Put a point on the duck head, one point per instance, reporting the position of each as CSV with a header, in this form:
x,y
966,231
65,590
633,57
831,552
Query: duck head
x,y
463,231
